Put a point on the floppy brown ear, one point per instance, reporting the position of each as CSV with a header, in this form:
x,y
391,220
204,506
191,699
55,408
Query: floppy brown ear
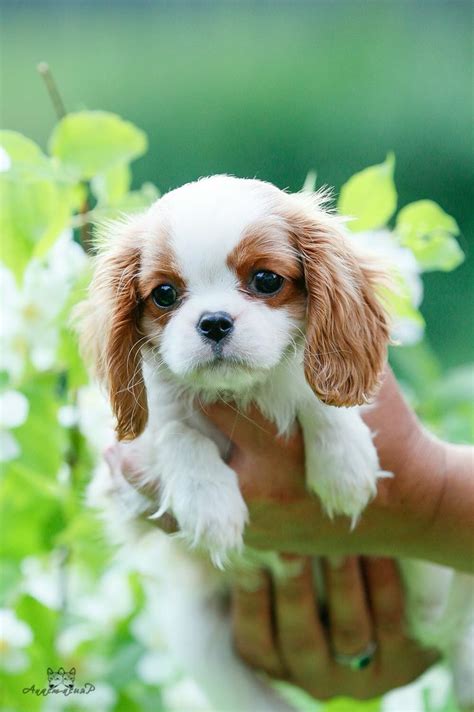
x,y
347,329
109,326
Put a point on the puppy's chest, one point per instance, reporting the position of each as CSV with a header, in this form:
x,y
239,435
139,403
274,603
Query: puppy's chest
x,y
281,399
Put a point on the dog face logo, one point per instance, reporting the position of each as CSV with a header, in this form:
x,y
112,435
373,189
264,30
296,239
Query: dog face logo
x,y
61,680
69,677
55,679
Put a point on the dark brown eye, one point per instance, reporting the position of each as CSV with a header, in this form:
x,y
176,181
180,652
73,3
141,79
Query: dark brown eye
x,y
266,282
164,296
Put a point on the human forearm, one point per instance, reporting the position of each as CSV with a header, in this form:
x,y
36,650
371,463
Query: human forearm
x,y
449,534
426,510
423,512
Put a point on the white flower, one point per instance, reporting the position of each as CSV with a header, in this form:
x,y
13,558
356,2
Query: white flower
x,y
70,638
402,263
95,417
63,475
5,161
14,636
157,668
14,408
41,580
102,698
384,245
68,416
146,626
185,695
29,315
107,602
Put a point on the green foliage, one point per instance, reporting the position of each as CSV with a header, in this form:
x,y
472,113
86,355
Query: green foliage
x,y
20,149
56,563
92,143
112,185
35,204
370,196
430,233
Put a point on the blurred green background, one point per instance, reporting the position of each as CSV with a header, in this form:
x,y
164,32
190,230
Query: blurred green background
x,y
271,89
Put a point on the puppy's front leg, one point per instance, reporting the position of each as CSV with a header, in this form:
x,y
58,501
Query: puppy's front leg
x,y
201,491
342,465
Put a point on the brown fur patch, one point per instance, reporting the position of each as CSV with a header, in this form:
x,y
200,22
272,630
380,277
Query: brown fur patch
x,y
110,326
159,266
347,329
266,247
119,315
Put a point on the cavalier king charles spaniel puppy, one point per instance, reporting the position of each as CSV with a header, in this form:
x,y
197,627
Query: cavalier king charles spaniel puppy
x,y
232,289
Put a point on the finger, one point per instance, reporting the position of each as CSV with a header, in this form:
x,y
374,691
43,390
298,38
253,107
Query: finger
x,y
396,651
350,624
252,626
386,597
245,429
301,637
124,464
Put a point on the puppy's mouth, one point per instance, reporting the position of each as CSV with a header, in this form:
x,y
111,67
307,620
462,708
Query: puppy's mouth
x,y
221,372
220,361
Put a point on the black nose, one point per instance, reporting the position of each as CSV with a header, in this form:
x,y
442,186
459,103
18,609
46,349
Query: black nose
x,y
215,325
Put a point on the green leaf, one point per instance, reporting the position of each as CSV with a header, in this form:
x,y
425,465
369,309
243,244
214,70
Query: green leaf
x,y
20,148
94,142
429,232
398,304
44,624
36,201
133,202
370,196
85,536
68,357
110,187
23,498
447,405
42,440
32,215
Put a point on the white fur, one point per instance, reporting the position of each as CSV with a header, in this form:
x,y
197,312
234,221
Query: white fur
x,y
263,364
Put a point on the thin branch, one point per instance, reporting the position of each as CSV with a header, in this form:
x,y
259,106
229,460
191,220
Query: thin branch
x,y
54,95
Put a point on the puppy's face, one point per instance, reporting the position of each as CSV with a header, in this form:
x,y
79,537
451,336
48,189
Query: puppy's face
x,y
220,282
217,282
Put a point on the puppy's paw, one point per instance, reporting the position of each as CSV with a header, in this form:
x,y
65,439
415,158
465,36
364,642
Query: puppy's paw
x,y
213,517
344,474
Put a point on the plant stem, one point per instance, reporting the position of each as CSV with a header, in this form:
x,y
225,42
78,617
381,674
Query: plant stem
x,y
55,96
60,109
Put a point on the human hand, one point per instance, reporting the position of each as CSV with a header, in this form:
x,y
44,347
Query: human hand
x,y
277,629
424,511
414,514
284,515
